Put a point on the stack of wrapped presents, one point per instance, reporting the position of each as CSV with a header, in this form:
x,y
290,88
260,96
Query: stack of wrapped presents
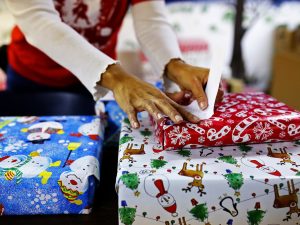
x,y
241,166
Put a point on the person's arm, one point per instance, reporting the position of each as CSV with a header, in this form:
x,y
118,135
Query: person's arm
x,y
156,37
43,28
160,45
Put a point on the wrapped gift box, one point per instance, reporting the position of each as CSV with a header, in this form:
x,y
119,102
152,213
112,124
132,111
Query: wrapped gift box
x,y
238,185
49,165
239,118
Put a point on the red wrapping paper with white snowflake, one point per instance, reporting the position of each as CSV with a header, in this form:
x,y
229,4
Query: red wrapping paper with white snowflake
x,y
239,118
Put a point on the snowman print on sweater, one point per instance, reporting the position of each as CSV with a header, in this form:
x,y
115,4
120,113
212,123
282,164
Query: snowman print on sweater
x,y
75,181
18,167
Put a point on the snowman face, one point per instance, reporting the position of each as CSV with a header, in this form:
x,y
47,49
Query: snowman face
x,y
166,200
12,161
38,136
90,128
35,166
44,126
86,166
72,181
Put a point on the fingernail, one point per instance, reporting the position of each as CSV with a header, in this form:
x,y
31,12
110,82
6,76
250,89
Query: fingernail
x,y
159,115
178,118
202,105
134,125
187,95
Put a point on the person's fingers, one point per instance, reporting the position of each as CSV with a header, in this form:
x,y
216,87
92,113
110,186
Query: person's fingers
x,y
199,94
131,113
176,96
187,115
182,97
220,95
169,110
151,108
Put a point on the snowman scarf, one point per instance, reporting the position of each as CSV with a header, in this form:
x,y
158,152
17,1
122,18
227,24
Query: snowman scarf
x,y
14,172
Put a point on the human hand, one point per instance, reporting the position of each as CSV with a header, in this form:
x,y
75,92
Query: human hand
x,y
192,80
134,95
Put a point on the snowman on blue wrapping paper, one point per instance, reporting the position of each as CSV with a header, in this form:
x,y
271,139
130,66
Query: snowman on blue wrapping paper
x,y
17,167
75,182
157,186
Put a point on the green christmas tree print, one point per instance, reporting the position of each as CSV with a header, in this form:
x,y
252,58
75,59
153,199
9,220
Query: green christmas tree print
x,y
127,215
125,139
228,159
131,180
235,180
245,148
200,212
146,132
229,16
184,152
158,163
255,217
126,120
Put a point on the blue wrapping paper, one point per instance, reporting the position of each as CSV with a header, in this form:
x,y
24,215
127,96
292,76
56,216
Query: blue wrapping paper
x,y
49,165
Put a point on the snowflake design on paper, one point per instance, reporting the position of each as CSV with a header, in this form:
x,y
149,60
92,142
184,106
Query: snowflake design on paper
x,y
201,139
179,135
226,115
219,143
207,123
245,106
15,146
230,121
262,130
282,134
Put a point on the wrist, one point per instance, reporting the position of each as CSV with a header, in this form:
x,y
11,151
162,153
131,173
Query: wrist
x,y
113,76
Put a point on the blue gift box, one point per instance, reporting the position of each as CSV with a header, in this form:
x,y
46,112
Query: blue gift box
x,y
49,165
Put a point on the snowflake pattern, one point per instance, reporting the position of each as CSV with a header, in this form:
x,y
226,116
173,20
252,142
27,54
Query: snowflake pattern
x,y
219,143
201,139
282,134
262,130
245,106
14,146
179,135
206,123
230,121
226,115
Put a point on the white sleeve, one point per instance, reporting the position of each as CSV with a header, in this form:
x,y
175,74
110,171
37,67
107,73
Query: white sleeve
x,y
156,37
43,28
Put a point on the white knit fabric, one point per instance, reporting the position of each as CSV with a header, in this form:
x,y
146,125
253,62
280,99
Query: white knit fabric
x,y
43,28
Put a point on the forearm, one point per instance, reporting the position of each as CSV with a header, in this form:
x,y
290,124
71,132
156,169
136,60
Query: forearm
x,y
44,29
156,37
155,34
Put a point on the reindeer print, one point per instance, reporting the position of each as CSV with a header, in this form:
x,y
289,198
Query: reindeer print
x,y
129,151
290,200
197,176
283,155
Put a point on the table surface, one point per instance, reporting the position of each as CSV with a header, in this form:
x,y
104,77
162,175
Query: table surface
x,y
105,210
